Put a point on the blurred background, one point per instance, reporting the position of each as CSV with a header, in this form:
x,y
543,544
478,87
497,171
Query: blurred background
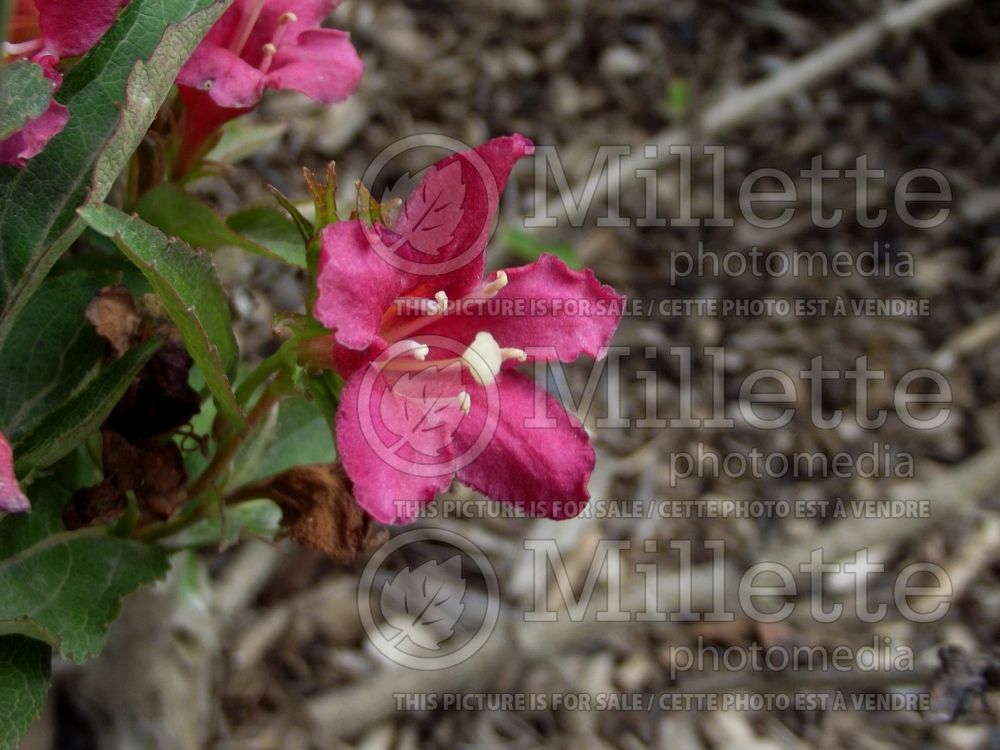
x,y
262,646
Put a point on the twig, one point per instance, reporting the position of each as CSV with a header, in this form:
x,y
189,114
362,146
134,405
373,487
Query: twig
x,y
739,106
953,493
344,712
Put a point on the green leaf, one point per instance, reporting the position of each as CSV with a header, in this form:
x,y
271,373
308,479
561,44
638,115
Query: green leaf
x,y
258,518
25,94
271,229
302,437
51,351
61,430
113,95
174,211
263,231
25,667
528,248
305,227
18,532
240,140
187,283
65,588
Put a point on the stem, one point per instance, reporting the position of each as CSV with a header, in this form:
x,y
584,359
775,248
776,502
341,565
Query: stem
x,y
169,528
224,456
259,374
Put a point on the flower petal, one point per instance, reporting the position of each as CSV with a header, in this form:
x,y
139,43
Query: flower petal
x,y
229,80
12,500
70,30
446,222
384,466
322,64
21,145
546,308
542,469
355,285
309,14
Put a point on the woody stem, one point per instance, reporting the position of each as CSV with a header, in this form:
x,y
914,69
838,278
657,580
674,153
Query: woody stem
x,y
231,445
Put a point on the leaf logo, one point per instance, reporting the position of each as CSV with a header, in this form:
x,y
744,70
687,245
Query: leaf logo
x,y
430,216
429,415
422,604
404,186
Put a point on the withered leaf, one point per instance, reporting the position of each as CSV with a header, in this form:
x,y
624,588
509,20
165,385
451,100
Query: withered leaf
x,y
318,509
164,481
94,506
155,472
115,318
160,400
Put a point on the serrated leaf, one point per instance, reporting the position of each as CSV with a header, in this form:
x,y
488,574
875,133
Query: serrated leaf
x,y
67,589
25,94
25,669
187,283
422,605
178,213
61,430
113,95
51,351
64,587
253,518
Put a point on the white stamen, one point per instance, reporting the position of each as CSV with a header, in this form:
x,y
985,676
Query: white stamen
x,y
485,356
493,288
24,48
288,17
442,300
269,50
413,348
509,352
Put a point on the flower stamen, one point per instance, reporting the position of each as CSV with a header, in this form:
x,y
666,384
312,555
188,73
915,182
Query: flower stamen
x,y
412,348
271,48
493,288
245,29
12,49
484,358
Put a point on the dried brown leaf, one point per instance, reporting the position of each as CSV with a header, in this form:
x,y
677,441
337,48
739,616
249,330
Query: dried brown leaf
x,y
115,318
319,509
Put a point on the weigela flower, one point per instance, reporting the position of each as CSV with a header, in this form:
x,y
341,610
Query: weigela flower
x,y
12,500
259,45
46,31
428,348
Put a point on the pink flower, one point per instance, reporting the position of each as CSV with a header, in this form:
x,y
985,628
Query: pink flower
x,y
32,137
259,45
428,346
46,31
12,500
